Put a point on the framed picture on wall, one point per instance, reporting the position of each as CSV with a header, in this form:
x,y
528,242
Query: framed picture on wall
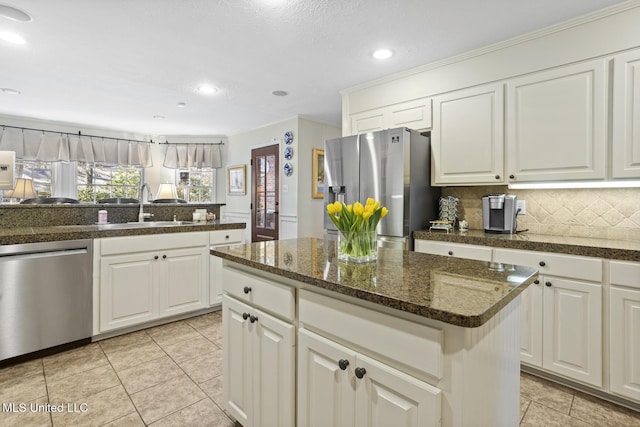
x,y
317,172
236,179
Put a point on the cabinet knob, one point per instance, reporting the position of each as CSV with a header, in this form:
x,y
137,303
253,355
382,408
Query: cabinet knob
x,y
497,176
245,316
156,257
542,263
450,252
164,256
511,177
537,282
246,289
360,372
547,284
253,319
343,363
226,237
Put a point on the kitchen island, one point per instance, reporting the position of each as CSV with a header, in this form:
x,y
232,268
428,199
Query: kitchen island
x,y
411,339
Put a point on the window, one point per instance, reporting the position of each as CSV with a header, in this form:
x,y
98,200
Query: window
x,y
196,185
96,182
39,172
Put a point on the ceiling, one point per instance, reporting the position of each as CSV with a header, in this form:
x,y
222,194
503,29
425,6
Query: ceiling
x,y
115,64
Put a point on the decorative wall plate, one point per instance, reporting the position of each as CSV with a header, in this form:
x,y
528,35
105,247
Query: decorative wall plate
x,y
288,169
288,137
288,153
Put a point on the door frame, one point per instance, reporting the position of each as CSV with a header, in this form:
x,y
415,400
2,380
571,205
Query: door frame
x,y
271,144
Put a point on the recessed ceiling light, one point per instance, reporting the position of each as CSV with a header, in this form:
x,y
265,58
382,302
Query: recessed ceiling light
x,y
280,93
10,91
207,89
181,105
14,14
12,38
382,54
159,117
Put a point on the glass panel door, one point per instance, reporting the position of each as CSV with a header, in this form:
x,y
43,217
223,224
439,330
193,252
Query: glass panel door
x,y
265,193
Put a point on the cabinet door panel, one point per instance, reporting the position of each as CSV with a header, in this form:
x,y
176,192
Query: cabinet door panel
x,y
573,330
127,291
184,281
467,136
626,115
388,397
624,352
237,383
531,324
325,395
273,371
556,124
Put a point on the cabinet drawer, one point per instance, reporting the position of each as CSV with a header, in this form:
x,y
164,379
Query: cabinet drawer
x,y
223,237
151,242
457,250
274,297
407,343
625,273
573,266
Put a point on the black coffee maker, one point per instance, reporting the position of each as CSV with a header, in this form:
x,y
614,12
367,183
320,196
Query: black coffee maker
x,y
499,213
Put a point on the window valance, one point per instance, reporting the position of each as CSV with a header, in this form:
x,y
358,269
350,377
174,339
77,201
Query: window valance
x,y
201,156
33,144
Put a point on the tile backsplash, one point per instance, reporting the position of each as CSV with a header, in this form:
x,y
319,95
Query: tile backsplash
x,y
611,213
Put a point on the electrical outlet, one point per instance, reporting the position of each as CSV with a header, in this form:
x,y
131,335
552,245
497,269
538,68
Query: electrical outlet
x,y
521,207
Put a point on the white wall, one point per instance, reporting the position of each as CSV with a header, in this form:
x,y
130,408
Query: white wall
x,y
311,211
300,215
239,153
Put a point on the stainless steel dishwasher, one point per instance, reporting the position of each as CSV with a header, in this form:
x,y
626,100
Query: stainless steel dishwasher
x,y
45,295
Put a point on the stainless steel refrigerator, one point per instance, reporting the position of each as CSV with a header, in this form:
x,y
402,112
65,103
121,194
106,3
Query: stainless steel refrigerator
x,y
393,166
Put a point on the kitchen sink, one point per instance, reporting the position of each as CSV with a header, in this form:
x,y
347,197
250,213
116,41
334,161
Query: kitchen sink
x,y
145,224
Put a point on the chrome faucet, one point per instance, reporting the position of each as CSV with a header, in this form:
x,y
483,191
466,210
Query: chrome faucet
x,y
141,214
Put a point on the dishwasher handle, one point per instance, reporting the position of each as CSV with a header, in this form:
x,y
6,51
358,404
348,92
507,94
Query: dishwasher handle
x,y
42,254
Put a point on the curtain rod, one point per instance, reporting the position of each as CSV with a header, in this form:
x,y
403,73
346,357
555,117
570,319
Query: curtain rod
x,y
110,137
193,143
79,134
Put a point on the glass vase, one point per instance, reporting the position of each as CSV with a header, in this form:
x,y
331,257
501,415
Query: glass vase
x,y
357,246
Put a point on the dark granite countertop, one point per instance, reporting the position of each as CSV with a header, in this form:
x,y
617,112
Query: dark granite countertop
x,y
600,248
10,236
461,292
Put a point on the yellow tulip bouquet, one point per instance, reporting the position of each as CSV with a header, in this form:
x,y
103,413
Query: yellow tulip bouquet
x,y
357,225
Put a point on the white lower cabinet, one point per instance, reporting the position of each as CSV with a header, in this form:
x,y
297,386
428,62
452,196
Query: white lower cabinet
x,y
340,387
572,329
561,325
144,278
220,238
128,291
624,329
531,324
259,366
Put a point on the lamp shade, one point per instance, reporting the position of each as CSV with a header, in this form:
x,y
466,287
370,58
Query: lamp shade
x,y
167,191
22,190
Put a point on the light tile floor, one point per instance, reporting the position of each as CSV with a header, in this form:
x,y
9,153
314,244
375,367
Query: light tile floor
x,y
171,375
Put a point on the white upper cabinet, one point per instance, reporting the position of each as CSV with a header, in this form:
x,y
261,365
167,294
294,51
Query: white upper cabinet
x,y
626,116
415,114
556,124
467,137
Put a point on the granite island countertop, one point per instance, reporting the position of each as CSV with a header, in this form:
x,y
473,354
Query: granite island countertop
x,y
11,236
460,292
593,247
